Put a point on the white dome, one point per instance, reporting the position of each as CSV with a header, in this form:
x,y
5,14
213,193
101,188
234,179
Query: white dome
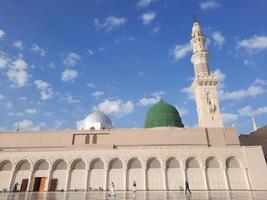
x,y
97,120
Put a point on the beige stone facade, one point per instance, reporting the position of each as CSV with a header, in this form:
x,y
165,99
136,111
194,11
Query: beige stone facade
x,y
209,157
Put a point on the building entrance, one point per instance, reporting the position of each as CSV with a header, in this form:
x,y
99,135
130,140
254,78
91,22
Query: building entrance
x,y
39,184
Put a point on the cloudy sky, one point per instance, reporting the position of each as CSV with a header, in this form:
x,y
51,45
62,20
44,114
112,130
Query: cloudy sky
x,y
59,60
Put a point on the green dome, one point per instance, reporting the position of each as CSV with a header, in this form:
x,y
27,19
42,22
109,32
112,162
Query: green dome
x,y
163,114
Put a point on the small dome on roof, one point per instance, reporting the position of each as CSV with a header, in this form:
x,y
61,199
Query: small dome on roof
x,y
163,114
96,121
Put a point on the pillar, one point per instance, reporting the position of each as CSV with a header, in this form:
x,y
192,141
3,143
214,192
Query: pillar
x,y
184,176
31,181
145,178
86,182
106,179
48,179
164,178
125,179
67,181
205,178
247,178
226,179
12,176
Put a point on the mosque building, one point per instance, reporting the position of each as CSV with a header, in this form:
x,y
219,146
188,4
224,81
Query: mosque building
x,y
160,156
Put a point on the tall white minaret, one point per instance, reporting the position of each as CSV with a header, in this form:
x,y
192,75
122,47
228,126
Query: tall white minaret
x,y
205,84
254,125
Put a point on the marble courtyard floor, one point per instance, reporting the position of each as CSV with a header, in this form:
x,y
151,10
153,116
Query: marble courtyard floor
x,y
238,195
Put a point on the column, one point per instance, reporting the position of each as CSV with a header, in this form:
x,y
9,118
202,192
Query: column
x,y
106,179
86,182
48,179
226,179
205,178
12,176
184,176
145,178
164,178
31,181
125,179
247,178
67,181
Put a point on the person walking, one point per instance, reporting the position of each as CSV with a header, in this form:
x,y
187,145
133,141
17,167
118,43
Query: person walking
x,y
187,188
134,187
112,190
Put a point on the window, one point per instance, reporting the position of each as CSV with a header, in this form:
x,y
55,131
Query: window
x,y
94,139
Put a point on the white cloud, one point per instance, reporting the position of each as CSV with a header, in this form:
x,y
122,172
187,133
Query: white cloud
x,y
148,17
45,89
28,125
255,43
249,112
2,97
209,4
90,85
116,107
17,72
37,49
229,118
259,81
69,99
144,3
189,92
18,44
181,51
69,75
30,111
148,101
80,124
2,34
156,96
98,94
110,23
182,110
22,98
71,59
4,60
155,29
218,38
90,52
251,91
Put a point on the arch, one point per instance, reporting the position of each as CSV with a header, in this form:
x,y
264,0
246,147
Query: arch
x,y
212,162
5,173
154,174
58,174
214,174
6,165
116,173
232,162
236,177
135,173
153,163
96,174
115,163
23,165
59,164
194,174
172,163
41,165
77,178
134,163
96,163
174,174
78,164
192,162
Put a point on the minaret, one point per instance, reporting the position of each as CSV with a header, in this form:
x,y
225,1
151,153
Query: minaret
x,y
204,85
254,125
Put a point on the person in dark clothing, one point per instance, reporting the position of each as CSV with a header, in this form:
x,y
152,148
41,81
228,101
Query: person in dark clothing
x,y
187,187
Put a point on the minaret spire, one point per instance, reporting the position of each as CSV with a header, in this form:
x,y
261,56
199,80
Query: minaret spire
x,y
254,125
204,85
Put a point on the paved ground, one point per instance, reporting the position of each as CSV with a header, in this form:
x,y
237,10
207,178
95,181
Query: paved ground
x,y
138,196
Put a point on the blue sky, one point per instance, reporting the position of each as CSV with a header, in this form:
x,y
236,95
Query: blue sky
x,y
61,59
